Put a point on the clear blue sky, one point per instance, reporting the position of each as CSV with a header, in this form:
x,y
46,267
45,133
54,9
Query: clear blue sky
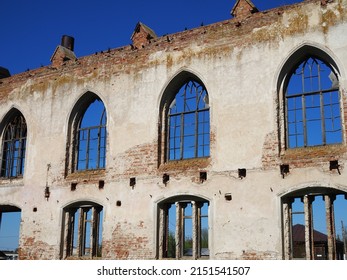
x,y
31,30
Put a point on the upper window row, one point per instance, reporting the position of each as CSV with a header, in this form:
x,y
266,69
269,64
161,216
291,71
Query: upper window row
x,y
312,114
313,105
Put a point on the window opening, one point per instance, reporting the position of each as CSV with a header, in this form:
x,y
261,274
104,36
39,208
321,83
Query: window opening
x,y
203,226
170,230
83,231
10,219
187,249
313,105
184,230
91,137
13,147
313,225
298,216
320,234
340,210
189,123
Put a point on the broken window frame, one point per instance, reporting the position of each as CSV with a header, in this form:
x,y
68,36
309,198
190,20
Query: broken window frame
x,y
88,231
177,122
302,134
100,161
172,246
14,147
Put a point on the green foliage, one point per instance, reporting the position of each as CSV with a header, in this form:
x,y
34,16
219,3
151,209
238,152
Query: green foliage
x,y
171,250
204,238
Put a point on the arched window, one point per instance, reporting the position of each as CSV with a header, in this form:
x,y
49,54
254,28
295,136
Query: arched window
x,y
82,228
183,228
189,122
312,98
13,146
312,219
90,137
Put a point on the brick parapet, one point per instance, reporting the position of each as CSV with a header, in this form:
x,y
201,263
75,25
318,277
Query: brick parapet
x,y
230,33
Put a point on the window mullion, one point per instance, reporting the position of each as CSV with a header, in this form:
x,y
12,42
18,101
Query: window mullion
x,y
168,137
21,156
98,151
76,147
68,231
87,149
286,121
178,231
11,161
196,234
304,119
92,236
18,157
196,149
182,137
196,124
324,138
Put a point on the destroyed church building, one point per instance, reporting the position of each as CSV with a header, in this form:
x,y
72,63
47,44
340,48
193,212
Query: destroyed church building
x,y
211,143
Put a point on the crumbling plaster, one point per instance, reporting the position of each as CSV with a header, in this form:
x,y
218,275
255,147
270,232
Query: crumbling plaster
x,y
239,67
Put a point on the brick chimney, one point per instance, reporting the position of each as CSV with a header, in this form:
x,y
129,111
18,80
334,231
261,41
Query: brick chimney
x,y
243,9
64,52
142,35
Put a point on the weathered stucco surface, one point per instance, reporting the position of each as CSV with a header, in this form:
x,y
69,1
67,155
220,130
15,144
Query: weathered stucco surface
x,y
239,63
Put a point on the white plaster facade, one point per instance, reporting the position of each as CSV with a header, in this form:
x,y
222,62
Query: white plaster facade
x,y
241,75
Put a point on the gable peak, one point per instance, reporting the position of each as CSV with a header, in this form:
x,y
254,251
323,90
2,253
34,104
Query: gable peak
x,y
243,8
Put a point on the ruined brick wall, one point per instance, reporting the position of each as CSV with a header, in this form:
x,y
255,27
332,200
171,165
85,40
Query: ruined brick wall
x,y
239,62
124,245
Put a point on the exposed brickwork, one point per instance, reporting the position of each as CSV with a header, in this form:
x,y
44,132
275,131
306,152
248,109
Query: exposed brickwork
x,y
61,55
91,176
255,255
145,68
300,157
222,36
243,9
275,153
142,36
139,160
35,250
270,158
125,244
185,166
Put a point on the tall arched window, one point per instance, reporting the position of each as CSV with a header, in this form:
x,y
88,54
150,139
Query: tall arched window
x,y
90,137
189,122
13,146
313,104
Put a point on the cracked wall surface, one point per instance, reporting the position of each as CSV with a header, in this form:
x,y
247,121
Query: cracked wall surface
x,y
240,63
